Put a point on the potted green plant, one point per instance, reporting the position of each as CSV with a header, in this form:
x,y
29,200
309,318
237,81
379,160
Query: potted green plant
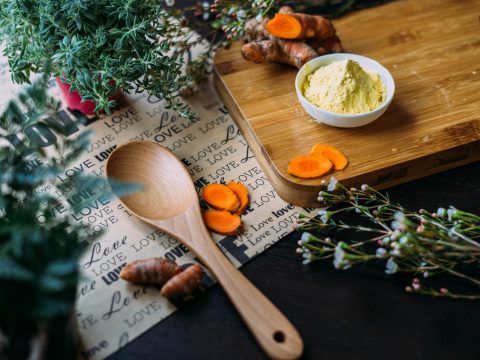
x,y
98,48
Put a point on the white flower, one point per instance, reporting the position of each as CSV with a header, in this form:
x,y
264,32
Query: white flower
x,y
306,237
339,260
395,235
451,212
364,187
403,240
391,267
395,252
242,15
441,212
333,184
324,215
381,252
400,216
395,245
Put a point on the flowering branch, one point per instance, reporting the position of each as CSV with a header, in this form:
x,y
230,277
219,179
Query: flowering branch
x,y
422,243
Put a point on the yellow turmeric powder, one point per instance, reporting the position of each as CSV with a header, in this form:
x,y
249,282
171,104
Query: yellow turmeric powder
x,y
344,87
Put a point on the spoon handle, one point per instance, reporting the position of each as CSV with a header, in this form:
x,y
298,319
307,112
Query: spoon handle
x,y
272,330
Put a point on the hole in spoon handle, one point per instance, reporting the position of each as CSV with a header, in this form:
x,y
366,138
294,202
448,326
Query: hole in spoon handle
x,y
279,336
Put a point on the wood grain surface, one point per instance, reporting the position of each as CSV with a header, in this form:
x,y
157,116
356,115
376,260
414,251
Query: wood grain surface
x,y
432,49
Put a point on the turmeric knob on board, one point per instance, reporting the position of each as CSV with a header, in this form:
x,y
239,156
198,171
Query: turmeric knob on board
x,y
184,283
150,271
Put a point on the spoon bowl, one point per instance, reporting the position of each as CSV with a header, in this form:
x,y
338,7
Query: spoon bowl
x,y
170,203
167,188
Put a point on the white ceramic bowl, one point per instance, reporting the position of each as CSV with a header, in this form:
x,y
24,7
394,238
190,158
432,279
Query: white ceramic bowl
x,y
344,120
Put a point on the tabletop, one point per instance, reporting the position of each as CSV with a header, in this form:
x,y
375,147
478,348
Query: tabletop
x,y
354,314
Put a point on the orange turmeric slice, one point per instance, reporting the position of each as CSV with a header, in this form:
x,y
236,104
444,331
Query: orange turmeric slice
x,y
309,166
220,197
222,222
241,192
284,26
334,155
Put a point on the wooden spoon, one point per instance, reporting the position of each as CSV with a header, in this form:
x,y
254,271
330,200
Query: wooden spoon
x,y
169,202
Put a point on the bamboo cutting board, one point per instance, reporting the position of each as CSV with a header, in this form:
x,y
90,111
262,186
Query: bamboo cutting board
x,y
432,49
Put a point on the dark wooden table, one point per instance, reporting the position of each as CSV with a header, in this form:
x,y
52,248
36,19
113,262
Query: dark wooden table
x,y
355,314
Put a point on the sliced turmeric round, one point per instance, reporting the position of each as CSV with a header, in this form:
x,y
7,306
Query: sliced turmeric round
x,y
222,222
284,26
309,166
220,197
339,160
241,192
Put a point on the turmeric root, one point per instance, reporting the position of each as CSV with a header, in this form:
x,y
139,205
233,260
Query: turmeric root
x,y
257,51
327,46
298,26
309,166
265,44
285,10
150,271
255,30
289,52
222,222
334,155
220,197
184,283
241,192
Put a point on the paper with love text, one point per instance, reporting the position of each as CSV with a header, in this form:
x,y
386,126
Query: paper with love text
x,y
110,311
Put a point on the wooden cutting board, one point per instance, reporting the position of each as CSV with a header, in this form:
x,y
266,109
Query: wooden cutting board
x,y
432,49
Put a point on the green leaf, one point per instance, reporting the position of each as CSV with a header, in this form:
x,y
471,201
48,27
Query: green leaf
x,y
11,270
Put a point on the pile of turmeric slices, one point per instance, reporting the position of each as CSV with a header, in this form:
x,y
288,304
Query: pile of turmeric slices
x,y
321,160
229,203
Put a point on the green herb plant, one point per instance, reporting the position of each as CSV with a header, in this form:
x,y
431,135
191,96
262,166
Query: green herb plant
x,y
422,243
38,251
99,47
39,246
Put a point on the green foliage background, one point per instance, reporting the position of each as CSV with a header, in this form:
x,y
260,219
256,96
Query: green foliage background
x,y
98,47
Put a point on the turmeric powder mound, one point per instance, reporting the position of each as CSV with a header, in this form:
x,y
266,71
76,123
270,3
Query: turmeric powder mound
x,y
344,87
